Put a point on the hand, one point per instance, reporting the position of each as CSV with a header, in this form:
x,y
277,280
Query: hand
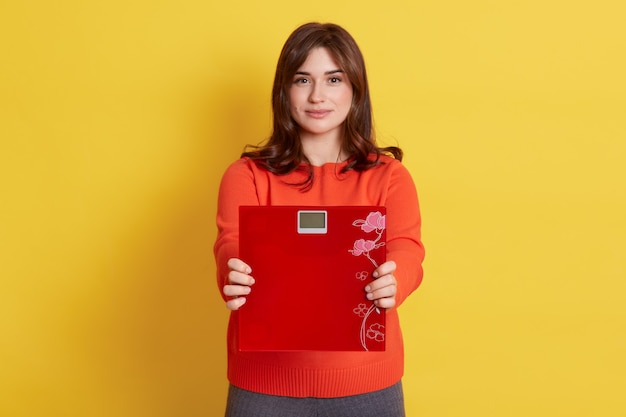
x,y
239,282
384,287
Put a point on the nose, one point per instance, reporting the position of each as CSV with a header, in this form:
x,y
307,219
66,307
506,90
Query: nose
x,y
317,93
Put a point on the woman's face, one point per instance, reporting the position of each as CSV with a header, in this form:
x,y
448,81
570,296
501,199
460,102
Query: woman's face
x,y
320,97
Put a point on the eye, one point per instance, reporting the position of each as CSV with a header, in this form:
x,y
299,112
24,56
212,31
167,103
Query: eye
x,y
301,80
334,80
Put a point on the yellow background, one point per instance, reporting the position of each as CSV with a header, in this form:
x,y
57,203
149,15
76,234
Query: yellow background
x,y
117,119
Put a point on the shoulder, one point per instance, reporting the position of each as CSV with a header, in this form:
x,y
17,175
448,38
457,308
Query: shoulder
x,y
240,170
239,184
390,166
241,164
241,167
394,174
389,160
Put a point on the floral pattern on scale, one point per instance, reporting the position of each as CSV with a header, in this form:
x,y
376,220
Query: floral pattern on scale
x,y
374,222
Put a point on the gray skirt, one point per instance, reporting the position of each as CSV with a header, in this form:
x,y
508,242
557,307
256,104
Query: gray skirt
x,y
388,402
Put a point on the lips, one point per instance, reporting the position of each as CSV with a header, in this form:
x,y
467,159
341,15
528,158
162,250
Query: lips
x,y
318,114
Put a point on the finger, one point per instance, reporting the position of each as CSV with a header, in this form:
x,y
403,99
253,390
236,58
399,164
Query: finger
x,y
388,302
382,282
388,267
235,290
385,292
235,277
235,303
236,264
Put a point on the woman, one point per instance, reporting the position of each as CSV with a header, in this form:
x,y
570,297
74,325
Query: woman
x,y
321,152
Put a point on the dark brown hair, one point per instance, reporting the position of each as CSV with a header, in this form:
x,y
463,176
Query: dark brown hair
x,y
283,153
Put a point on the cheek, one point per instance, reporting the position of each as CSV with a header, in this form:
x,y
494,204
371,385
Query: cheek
x,y
347,97
296,97
292,105
293,108
348,101
291,99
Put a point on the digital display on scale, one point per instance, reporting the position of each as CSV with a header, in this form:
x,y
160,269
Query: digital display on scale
x,y
312,222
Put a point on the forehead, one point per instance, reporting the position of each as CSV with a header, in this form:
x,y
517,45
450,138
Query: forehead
x,y
319,59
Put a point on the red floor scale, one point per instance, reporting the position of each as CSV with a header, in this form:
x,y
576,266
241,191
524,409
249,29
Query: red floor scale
x,y
311,265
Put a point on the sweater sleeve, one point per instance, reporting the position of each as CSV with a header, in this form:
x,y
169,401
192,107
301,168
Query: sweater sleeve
x,y
237,188
404,244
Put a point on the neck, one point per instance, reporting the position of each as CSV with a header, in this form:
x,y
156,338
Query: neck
x,y
320,151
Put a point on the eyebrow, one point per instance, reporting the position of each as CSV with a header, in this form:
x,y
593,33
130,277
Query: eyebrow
x,y
336,71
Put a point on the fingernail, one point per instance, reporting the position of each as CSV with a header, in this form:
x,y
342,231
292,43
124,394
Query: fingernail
x,y
370,296
368,288
252,281
375,274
